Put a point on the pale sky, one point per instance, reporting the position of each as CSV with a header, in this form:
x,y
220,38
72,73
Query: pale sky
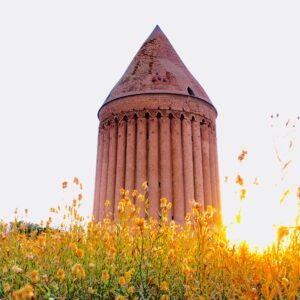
x,y
60,59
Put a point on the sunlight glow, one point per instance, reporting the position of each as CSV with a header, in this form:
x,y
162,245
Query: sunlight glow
x,y
269,203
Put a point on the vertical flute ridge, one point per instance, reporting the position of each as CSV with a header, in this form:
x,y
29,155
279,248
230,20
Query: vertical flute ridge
x,y
130,155
212,168
165,160
141,160
177,171
188,164
153,172
218,206
112,161
206,165
121,159
197,158
104,167
96,208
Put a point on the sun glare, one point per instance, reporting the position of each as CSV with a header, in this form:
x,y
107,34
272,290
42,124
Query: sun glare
x,y
261,211
258,218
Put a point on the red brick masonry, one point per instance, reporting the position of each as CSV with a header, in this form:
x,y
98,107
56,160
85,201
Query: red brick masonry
x,y
162,131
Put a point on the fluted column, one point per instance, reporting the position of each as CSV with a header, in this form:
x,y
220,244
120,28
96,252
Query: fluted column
x,y
153,174
178,188
98,175
165,160
112,160
188,171
130,155
104,167
141,159
197,157
121,158
176,155
218,196
212,168
206,165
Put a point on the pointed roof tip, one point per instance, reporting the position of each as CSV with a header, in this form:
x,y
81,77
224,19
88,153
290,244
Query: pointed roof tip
x,y
157,68
157,28
155,33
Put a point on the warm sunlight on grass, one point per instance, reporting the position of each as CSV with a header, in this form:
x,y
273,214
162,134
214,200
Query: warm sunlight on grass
x,y
137,258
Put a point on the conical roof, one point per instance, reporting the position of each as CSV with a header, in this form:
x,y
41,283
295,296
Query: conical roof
x,y
157,68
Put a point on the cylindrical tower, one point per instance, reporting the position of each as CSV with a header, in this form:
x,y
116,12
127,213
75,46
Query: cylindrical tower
x,y
157,125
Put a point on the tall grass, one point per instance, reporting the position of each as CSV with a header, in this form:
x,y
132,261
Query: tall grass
x,y
137,258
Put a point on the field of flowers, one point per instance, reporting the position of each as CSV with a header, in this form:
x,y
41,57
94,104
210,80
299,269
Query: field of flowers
x,y
137,258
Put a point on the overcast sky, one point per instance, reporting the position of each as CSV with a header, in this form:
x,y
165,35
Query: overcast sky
x,y
60,59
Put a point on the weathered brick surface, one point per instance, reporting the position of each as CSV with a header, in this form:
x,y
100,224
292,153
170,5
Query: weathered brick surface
x,y
155,130
157,68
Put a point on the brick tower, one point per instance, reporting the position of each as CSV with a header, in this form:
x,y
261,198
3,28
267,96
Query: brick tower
x,y
157,124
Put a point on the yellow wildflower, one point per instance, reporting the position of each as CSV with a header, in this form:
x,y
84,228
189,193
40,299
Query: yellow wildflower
x,y
6,287
239,180
134,193
91,265
242,194
106,203
122,281
34,276
25,293
242,155
127,200
164,286
140,222
105,276
120,297
79,253
163,202
91,291
69,262
73,246
130,290
282,232
197,206
284,281
164,297
65,184
128,276
121,207
78,271
141,197
145,185
222,244
42,240
60,275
